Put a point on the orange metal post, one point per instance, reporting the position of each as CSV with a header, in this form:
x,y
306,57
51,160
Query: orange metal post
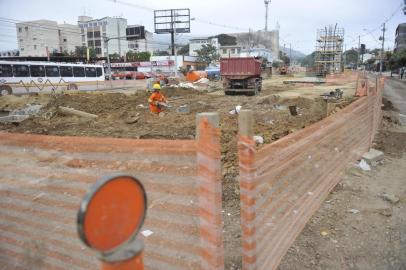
x,y
135,263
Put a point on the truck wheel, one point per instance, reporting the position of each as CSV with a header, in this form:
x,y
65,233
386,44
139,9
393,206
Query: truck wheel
x,y
5,90
72,86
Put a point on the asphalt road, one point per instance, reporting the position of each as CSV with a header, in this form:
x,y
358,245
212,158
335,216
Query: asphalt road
x,y
395,91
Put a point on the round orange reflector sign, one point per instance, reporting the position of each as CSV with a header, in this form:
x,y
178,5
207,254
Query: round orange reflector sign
x,y
112,213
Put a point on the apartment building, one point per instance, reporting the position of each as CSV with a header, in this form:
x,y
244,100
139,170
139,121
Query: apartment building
x,y
231,51
142,45
400,37
94,32
41,37
197,43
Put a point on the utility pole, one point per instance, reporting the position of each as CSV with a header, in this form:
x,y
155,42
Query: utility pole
x,y
106,41
118,35
267,2
383,49
345,55
359,50
290,54
176,51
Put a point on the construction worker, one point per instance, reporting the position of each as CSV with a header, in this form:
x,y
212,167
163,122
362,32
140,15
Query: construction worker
x,y
156,99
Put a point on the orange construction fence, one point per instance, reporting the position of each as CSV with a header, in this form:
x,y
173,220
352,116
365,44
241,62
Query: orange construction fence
x,y
284,183
44,178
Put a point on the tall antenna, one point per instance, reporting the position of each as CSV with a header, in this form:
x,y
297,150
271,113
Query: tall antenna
x,y
267,2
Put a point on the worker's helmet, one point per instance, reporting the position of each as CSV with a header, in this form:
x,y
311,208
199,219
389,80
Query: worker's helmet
x,y
156,87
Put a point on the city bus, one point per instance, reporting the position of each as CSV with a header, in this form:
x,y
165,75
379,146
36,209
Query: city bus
x,y
25,77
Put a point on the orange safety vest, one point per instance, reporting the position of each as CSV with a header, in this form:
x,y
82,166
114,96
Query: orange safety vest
x,y
153,100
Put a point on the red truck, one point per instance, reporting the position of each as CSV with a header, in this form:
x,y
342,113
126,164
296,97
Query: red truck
x,y
241,75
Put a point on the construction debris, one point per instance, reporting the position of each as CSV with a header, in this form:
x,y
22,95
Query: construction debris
x,y
293,110
19,115
183,109
259,139
13,118
236,110
373,157
364,165
333,95
70,111
393,199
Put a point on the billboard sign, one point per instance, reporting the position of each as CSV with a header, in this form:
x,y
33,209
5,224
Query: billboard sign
x,y
167,20
135,32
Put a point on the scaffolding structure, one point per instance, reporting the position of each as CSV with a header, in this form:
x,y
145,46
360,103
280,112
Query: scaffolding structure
x,y
329,50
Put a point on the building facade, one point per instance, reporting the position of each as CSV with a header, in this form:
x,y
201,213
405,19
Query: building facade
x,y
94,32
142,45
259,39
197,43
400,39
42,37
9,53
231,51
258,52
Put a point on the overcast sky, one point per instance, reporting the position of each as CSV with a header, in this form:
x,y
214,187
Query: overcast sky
x,y
298,19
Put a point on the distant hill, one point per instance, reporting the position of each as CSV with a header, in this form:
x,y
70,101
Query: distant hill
x,y
296,55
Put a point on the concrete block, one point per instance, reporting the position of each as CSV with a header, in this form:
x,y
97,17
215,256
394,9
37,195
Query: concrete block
x,y
373,156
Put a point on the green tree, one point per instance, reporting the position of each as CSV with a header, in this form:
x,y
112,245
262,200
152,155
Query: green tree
x,y
397,59
308,60
351,57
207,54
226,40
92,53
285,59
161,53
184,50
143,56
80,51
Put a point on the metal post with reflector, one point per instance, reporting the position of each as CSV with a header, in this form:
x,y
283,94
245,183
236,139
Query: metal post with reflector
x,y
109,219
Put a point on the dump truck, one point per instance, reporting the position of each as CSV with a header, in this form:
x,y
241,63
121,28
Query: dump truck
x,y
241,75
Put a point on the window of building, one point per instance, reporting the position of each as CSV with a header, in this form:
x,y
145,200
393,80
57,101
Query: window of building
x,y
83,38
52,71
21,71
6,71
21,40
97,42
22,49
35,47
20,29
90,34
239,50
79,71
66,71
232,51
82,31
99,72
37,71
224,51
64,40
97,34
34,38
26,29
90,71
104,28
90,43
98,50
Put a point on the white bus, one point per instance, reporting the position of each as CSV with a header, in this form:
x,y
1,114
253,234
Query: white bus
x,y
20,77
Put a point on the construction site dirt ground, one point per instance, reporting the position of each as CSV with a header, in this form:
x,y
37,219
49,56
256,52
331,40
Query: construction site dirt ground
x,y
125,114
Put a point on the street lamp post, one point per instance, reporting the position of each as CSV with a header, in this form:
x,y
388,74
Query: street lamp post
x,y
383,49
